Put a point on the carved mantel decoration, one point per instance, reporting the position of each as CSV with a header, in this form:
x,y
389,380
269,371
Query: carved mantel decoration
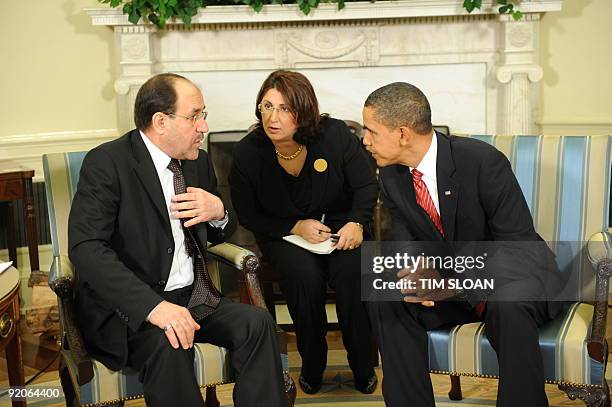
x,y
479,70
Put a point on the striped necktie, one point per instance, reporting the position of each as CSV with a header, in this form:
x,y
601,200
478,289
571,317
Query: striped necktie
x,y
424,200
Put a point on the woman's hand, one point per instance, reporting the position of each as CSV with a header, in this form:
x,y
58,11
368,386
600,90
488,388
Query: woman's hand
x,y
311,230
351,236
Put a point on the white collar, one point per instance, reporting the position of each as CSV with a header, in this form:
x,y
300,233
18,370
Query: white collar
x,y
427,166
160,159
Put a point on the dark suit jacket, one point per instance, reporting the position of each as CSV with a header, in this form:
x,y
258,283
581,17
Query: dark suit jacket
x,y
345,191
485,203
120,241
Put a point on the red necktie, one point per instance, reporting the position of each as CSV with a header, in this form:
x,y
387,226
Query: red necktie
x,y
424,199
480,308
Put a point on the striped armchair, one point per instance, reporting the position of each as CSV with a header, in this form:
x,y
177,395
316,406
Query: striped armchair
x,y
86,382
566,183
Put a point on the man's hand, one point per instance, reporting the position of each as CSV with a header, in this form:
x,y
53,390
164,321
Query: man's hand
x,y
198,205
351,236
177,322
422,293
311,230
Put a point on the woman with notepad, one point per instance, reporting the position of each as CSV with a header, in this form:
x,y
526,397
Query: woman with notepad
x,y
303,176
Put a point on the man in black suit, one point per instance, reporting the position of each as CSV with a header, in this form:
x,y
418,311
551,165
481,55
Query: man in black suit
x,y
453,190
145,207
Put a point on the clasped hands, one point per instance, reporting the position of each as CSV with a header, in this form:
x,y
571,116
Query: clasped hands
x,y
420,285
198,205
350,236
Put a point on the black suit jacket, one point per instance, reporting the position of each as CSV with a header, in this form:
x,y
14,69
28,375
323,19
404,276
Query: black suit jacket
x,y
120,241
480,200
346,191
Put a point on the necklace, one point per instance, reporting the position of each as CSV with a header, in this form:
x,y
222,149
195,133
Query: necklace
x,y
292,156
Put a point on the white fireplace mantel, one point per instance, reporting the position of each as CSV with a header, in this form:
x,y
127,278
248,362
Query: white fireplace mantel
x,y
328,11
479,70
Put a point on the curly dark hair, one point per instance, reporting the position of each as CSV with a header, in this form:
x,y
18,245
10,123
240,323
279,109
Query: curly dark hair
x,y
301,99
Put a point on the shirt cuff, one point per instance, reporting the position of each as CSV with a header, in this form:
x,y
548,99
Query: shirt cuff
x,y
151,313
220,224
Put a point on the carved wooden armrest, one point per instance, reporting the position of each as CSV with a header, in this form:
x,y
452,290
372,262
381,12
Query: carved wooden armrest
x,y
243,260
61,281
61,276
599,252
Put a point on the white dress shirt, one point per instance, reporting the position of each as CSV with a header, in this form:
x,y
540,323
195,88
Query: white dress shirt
x,y
181,272
427,167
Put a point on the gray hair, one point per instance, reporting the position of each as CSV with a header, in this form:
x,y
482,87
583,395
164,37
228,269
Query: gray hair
x,y
401,104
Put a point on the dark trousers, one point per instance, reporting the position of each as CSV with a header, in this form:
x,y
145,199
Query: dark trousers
x,y
304,279
249,333
511,327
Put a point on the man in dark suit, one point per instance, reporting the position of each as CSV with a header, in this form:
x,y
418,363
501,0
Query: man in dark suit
x,y
145,207
450,191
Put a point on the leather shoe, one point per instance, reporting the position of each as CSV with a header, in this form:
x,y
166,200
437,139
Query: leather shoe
x,y
308,388
368,386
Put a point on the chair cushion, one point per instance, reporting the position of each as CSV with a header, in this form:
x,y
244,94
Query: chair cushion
x,y
211,367
465,350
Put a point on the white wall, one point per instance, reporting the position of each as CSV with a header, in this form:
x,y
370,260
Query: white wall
x,y
576,92
56,69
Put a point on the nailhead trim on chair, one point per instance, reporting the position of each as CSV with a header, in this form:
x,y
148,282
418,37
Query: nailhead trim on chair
x,y
106,403
557,382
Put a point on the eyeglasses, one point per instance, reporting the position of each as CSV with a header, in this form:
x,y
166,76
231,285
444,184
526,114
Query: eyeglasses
x,y
194,119
267,109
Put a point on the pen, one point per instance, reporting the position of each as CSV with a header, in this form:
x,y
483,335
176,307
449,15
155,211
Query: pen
x,y
323,222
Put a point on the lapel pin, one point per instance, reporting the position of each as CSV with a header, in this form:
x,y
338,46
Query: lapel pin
x,y
320,165
447,193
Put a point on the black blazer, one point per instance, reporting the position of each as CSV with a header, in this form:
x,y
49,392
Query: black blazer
x,y
120,241
345,191
480,200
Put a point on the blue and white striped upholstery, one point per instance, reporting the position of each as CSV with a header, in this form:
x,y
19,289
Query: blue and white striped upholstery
x,y
565,180
211,368
211,365
465,350
566,183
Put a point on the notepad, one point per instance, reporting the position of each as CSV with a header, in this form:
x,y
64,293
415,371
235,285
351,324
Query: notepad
x,y
5,266
325,247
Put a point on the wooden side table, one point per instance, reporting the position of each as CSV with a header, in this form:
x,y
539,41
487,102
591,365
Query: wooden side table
x,y
10,340
15,184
